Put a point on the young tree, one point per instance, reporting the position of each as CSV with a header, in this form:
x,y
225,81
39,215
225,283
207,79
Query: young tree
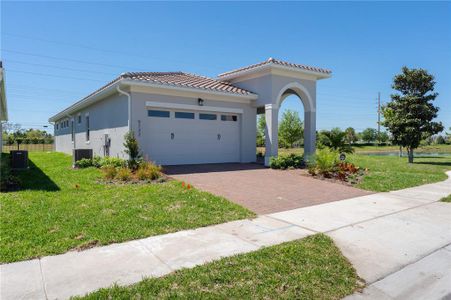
x,y
350,135
369,135
335,140
261,125
408,116
132,149
290,128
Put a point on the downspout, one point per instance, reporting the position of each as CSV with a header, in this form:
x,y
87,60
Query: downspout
x,y
129,106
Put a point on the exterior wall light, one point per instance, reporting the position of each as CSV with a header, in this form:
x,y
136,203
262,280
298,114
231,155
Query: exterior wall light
x,y
200,102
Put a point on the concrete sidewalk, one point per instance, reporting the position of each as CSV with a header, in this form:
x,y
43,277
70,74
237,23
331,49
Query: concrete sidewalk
x,y
381,234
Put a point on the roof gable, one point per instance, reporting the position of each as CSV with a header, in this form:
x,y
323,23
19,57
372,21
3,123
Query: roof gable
x,y
277,63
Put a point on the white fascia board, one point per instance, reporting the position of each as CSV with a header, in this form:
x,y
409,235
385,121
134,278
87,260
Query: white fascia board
x,y
268,68
166,105
189,92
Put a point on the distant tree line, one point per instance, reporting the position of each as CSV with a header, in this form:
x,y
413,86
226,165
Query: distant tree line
x,y
15,134
291,132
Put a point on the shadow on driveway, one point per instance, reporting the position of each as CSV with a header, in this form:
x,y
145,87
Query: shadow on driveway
x,y
210,168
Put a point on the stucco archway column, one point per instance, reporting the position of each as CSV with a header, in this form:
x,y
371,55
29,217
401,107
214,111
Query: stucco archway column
x,y
271,132
309,133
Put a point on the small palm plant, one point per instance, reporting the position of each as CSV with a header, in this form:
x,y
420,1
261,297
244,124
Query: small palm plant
x,y
335,140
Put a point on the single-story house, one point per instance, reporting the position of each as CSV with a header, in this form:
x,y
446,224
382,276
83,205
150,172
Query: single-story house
x,y
182,118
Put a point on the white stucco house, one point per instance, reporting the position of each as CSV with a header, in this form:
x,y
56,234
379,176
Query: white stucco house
x,y
181,118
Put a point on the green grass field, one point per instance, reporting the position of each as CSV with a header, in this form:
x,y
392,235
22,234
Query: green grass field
x,y
388,173
373,149
61,208
311,268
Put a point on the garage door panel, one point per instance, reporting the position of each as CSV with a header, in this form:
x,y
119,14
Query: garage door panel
x,y
194,141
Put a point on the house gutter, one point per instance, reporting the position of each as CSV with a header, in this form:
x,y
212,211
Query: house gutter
x,y
129,97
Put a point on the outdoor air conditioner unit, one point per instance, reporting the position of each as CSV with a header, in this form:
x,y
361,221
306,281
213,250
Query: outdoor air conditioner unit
x,y
19,159
78,154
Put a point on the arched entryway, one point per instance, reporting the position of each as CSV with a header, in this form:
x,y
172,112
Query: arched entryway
x,y
272,123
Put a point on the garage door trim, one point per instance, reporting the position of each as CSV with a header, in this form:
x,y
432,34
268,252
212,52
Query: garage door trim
x,y
193,107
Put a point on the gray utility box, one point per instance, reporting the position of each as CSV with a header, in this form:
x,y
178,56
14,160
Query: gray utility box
x,y
19,159
78,154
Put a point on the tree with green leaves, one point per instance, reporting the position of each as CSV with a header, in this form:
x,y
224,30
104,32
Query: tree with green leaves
x,y
290,128
132,149
350,135
261,127
448,135
369,135
410,113
383,137
334,139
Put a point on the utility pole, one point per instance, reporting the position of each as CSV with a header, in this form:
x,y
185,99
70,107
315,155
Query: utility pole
x,y
378,117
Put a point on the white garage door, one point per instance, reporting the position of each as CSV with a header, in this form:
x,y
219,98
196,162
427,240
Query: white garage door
x,y
189,137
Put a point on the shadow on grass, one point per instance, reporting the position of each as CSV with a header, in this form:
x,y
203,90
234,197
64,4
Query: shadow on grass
x,y
34,178
434,163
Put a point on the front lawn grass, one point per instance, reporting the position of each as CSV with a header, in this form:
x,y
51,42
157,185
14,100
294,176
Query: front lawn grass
x,y
311,268
388,173
61,208
446,199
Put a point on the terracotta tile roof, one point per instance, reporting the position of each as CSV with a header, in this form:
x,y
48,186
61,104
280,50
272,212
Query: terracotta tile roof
x,y
277,62
174,79
181,79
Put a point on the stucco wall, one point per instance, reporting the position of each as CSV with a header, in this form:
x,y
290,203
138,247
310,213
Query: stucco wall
x,y
109,116
248,119
268,87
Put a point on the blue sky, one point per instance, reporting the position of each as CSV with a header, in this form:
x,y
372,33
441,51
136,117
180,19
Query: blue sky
x,y
56,53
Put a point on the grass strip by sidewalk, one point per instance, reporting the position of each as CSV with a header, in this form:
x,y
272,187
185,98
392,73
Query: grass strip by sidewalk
x,y
311,268
60,209
446,199
389,173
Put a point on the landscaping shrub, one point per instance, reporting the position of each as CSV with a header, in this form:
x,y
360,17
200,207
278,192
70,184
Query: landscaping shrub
x,y
84,163
96,161
324,162
109,161
327,164
283,162
132,149
148,171
124,174
109,172
100,162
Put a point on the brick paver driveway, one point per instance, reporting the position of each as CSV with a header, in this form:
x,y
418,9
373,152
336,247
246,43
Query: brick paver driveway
x,y
260,189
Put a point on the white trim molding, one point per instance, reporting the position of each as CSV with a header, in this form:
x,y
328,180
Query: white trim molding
x,y
308,106
272,68
193,107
